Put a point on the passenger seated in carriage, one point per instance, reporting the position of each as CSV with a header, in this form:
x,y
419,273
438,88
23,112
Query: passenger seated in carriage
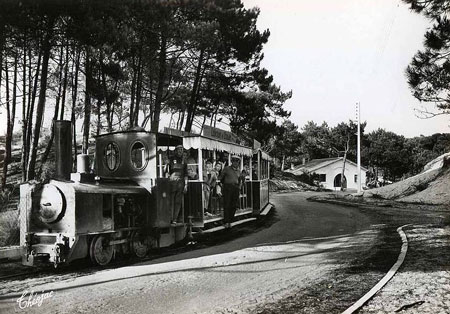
x,y
192,167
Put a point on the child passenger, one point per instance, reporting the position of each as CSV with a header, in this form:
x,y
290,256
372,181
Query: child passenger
x,y
218,187
209,184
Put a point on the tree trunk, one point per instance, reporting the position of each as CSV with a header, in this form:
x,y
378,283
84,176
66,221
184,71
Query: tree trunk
x,y
194,94
64,89
161,82
2,175
138,90
31,101
41,102
181,120
343,180
133,93
23,164
10,117
109,112
171,119
74,102
87,103
8,127
60,75
203,123
55,117
99,118
178,121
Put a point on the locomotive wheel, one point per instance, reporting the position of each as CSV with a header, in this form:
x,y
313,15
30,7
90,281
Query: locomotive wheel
x,y
100,251
139,245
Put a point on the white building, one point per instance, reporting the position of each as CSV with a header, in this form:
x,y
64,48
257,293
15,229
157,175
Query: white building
x,y
330,172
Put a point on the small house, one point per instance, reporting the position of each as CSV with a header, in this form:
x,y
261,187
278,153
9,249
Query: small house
x,y
329,171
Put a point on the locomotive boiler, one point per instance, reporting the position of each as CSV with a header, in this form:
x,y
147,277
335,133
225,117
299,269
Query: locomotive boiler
x,y
122,208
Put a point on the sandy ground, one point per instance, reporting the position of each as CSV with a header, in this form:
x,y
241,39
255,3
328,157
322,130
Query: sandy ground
x,y
422,284
225,283
310,275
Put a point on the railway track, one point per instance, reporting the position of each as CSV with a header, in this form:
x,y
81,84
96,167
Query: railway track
x,y
85,267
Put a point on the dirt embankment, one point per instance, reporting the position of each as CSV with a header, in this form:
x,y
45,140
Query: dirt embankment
x,y
429,188
284,181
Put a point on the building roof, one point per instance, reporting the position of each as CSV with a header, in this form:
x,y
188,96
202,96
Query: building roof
x,y
315,164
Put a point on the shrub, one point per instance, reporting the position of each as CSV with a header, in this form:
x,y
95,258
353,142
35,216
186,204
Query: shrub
x,y
9,228
48,171
5,194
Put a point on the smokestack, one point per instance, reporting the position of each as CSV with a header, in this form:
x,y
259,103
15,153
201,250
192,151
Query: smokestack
x,y
303,161
63,149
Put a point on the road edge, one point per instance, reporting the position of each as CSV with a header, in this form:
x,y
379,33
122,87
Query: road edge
x,y
358,304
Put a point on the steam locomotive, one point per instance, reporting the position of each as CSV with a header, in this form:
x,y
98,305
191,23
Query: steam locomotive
x,y
124,207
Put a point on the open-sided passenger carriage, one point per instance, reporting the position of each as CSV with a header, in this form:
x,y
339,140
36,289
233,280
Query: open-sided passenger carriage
x,y
219,146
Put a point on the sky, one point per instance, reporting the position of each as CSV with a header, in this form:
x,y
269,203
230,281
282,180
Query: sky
x,y
333,54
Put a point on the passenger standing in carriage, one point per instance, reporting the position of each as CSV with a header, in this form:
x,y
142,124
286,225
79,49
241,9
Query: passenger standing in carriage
x,y
231,180
177,171
209,183
216,199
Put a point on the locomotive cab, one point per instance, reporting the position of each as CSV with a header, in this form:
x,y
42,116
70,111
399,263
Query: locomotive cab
x,y
132,156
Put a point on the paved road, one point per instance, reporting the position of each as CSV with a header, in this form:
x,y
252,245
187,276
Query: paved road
x,y
249,267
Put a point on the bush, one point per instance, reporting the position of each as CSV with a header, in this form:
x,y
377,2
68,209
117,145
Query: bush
x,y
310,179
9,228
446,221
5,194
48,171
446,162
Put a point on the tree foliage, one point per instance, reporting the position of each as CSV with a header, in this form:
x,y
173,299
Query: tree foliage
x,y
111,65
429,71
288,144
383,152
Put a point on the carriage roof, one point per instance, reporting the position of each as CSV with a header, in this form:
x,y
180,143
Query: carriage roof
x,y
165,141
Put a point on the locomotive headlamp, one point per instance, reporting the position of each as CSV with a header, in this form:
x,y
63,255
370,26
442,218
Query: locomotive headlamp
x,y
52,204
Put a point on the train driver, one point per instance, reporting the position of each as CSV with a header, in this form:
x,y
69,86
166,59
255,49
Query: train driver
x,y
177,171
232,180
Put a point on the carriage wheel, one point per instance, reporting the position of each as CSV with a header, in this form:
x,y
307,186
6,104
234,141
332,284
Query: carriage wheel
x,y
100,251
139,245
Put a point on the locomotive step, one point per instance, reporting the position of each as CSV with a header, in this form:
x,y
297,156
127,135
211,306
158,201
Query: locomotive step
x,y
266,210
232,225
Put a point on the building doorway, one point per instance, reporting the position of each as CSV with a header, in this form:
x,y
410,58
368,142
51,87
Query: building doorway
x,y
337,181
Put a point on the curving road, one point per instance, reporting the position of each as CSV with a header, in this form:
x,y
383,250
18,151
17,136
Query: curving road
x,y
245,269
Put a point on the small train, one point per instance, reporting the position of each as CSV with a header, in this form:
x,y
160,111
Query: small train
x,y
124,205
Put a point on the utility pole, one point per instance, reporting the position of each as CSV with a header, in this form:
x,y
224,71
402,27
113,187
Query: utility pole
x,y
358,114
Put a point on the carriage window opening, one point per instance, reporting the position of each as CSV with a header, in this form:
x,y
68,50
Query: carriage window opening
x,y
162,162
246,169
138,160
191,159
222,158
254,168
264,165
112,156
